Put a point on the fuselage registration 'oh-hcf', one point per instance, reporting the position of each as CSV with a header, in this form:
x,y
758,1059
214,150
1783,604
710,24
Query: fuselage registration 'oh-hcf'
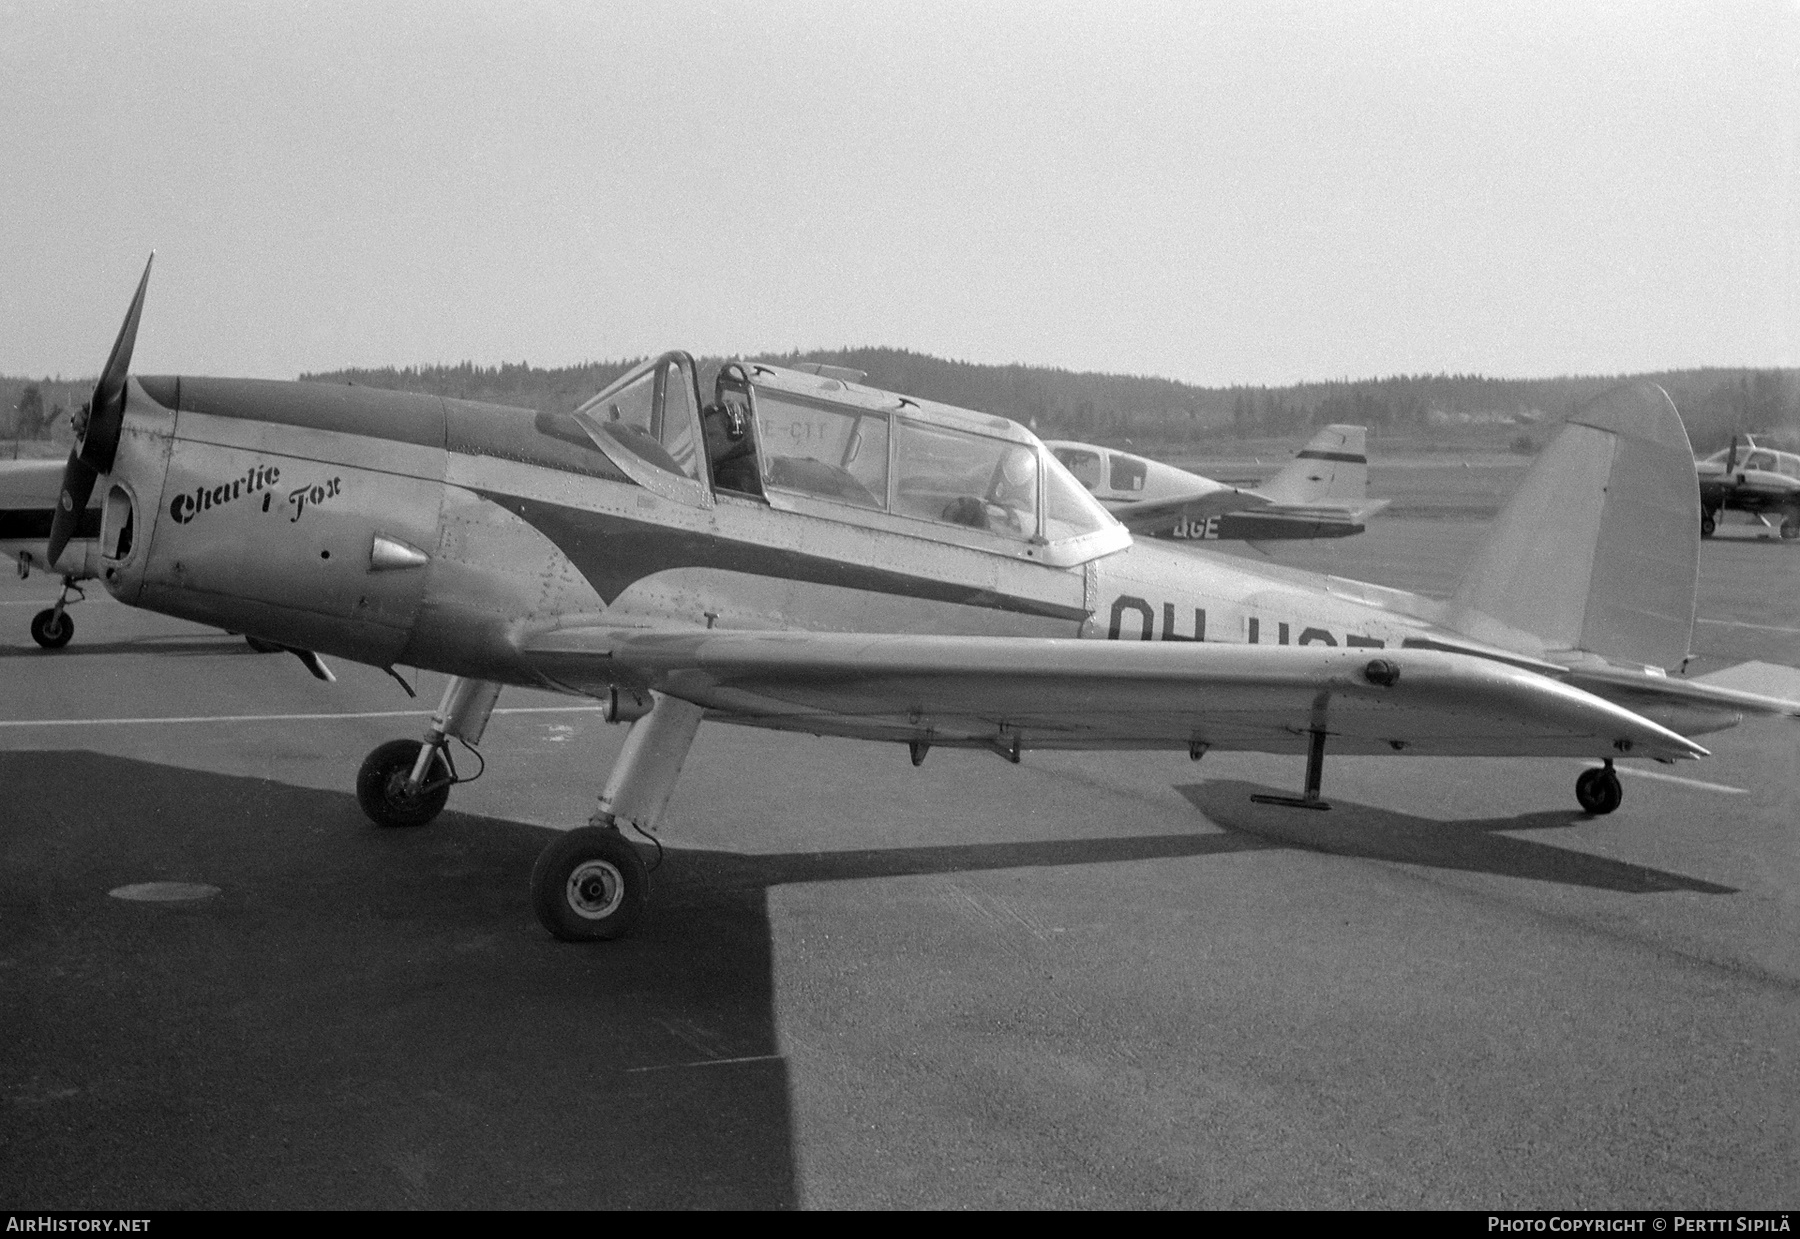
x,y
798,552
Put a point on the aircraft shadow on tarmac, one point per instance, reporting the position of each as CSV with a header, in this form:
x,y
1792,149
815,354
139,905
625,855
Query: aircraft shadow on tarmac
x,y
362,1018
160,646
373,1018
1473,846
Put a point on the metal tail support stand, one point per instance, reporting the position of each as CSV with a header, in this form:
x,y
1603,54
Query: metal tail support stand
x,y
463,713
1315,772
643,777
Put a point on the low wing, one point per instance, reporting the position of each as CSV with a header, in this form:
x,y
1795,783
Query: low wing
x,y
1150,515
995,692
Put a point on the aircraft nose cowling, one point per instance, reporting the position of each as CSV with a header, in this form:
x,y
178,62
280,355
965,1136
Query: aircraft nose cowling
x,y
301,513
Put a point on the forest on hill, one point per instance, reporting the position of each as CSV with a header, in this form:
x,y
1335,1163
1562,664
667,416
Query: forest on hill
x,y
1110,408
1113,408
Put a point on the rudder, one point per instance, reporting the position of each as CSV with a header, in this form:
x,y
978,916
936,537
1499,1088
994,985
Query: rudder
x,y
1599,549
1332,470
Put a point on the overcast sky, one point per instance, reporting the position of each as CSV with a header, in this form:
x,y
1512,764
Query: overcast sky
x,y
1245,193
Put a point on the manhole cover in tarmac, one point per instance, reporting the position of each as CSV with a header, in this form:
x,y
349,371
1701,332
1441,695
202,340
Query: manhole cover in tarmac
x,y
164,892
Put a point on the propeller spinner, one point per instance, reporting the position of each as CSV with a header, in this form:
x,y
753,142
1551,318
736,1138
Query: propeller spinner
x,y
98,428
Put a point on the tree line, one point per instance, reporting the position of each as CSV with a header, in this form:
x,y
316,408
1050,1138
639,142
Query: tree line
x,y
1058,403
1713,402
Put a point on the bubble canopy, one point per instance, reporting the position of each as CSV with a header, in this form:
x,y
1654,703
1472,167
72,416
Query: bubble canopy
x,y
836,448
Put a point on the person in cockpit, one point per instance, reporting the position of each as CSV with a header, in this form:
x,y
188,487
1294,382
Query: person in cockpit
x,y
1014,490
731,448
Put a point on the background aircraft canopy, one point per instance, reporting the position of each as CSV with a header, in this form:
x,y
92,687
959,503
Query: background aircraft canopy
x,y
1756,459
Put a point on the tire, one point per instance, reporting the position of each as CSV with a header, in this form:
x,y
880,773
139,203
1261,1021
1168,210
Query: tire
x,y
379,785
589,886
1598,792
1707,523
50,630
263,647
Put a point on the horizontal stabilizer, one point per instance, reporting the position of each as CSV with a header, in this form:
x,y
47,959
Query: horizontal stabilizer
x,y
1766,681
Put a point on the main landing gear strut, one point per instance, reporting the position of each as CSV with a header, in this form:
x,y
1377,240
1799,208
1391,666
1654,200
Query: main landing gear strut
x,y
406,782
52,627
590,884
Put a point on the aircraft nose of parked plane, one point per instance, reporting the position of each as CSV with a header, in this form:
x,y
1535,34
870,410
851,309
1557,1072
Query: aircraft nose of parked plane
x,y
130,490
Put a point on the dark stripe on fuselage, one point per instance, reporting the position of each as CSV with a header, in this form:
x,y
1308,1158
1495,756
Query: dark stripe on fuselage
x,y
550,440
1352,458
399,417
614,552
33,524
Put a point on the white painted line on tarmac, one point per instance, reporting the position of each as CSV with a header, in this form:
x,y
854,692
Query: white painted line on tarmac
x,y
164,892
273,718
1676,778
706,1062
551,710
1741,624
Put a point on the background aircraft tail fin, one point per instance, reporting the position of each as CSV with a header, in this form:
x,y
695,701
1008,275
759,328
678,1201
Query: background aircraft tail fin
x,y
1599,549
1332,470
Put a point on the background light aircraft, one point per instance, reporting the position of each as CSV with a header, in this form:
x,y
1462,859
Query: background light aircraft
x,y
1321,493
28,494
807,554
1753,479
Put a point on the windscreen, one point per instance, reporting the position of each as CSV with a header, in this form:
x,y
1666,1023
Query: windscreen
x,y
650,414
1069,510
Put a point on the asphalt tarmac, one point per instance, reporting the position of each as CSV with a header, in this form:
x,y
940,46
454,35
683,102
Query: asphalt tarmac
x,y
1087,980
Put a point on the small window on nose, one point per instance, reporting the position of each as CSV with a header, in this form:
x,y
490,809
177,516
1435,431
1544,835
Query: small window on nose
x,y
116,524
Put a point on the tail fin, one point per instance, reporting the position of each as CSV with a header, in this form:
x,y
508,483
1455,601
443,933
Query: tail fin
x,y
1599,549
1332,470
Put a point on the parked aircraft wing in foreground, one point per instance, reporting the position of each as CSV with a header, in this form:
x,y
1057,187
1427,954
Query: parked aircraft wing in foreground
x,y
994,692
803,552
1321,493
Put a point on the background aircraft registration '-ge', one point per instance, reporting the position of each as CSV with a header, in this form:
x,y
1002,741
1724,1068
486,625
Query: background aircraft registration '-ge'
x,y
801,553
1323,492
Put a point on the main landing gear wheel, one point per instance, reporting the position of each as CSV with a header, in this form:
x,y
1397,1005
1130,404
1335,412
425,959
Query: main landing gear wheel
x,y
52,629
1708,523
590,885
1598,790
381,785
